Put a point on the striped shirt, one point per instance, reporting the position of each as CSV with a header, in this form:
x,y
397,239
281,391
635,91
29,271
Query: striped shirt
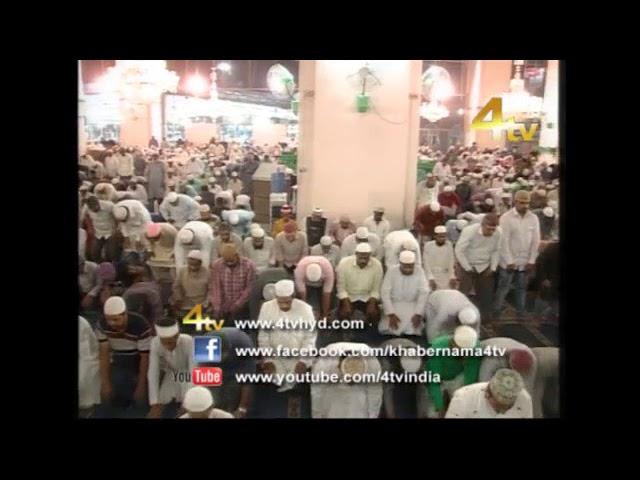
x,y
135,339
230,287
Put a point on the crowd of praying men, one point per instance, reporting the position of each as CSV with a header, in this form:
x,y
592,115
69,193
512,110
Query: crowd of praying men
x,y
168,228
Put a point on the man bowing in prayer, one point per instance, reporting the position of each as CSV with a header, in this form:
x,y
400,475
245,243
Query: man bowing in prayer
x,y
502,397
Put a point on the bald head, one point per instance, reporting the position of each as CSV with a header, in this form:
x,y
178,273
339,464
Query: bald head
x,y
229,254
522,199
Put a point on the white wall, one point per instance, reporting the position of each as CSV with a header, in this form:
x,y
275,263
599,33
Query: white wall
x,y
351,162
200,132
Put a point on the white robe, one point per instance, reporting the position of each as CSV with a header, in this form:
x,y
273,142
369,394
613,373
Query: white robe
x,y
439,263
341,400
88,365
350,243
180,360
302,337
381,229
187,209
405,296
490,365
203,241
393,246
139,217
442,311
470,402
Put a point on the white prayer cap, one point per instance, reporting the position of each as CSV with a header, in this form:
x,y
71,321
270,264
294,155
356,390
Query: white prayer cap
x,y
257,233
363,247
407,256
171,183
115,180
429,175
269,291
289,171
120,212
522,181
500,174
244,200
172,197
195,254
465,337
284,288
114,306
234,218
548,212
185,236
197,399
553,204
505,195
326,240
542,193
549,169
440,229
434,206
84,188
379,209
189,177
536,174
86,183
197,198
411,364
353,365
526,171
317,211
489,201
468,316
448,189
205,208
362,233
212,180
234,174
313,272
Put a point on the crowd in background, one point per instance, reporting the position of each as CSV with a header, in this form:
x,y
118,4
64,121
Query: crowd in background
x,y
166,228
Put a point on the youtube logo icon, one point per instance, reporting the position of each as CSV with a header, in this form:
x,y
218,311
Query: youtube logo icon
x,y
207,376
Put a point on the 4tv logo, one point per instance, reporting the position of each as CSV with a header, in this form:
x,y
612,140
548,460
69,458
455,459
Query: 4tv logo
x,y
194,317
494,106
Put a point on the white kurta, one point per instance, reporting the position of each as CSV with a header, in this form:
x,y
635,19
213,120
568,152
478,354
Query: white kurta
x,y
88,365
470,402
381,229
161,360
404,295
331,400
393,246
187,209
302,315
203,241
139,217
439,263
350,243
262,258
427,195
442,312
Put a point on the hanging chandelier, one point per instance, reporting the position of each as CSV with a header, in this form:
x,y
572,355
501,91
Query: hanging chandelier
x,y
517,101
437,87
139,82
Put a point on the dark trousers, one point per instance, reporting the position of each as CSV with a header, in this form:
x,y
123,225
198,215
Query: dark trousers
x,y
519,281
124,378
104,250
483,283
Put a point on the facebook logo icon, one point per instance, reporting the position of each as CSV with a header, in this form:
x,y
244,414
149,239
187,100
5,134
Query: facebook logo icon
x,y
207,349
